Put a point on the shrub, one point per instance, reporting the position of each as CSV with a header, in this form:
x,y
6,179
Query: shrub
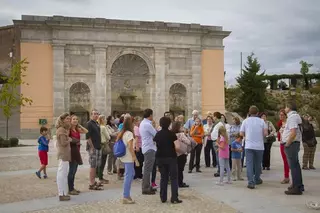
x,y
1,142
315,90
14,142
6,143
317,133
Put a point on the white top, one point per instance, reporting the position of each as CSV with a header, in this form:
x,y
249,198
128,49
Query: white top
x,y
105,136
127,136
253,129
292,122
215,131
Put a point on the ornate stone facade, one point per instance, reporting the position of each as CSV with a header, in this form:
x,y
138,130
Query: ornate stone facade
x,y
116,65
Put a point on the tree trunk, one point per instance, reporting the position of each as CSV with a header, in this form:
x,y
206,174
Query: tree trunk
x,y
7,128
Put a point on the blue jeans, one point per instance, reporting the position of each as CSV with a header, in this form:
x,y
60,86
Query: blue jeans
x,y
128,177
292,153
253,163
73,167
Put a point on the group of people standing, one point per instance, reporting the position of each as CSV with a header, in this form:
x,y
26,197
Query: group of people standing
x,y
166,147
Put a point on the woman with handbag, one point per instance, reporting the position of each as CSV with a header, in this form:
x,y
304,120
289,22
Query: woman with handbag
x,y
105,147
183,147
166,158
76,160
268,140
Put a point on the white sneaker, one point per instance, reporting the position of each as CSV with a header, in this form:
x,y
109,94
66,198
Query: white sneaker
x,y
228,182
219,183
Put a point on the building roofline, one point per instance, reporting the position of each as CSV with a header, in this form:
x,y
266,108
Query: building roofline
x,y
101,23
6,27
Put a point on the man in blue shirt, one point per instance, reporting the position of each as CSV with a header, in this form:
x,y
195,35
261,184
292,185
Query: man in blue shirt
x,y
187,126
147,133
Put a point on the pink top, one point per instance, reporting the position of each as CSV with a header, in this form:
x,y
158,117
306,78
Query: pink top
x,y
223,152
137,134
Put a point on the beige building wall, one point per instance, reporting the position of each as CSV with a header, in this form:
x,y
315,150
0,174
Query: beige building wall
x,y
212,81
39,76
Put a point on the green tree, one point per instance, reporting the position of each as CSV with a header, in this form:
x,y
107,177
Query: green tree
x,y
10,96
304,70
252,86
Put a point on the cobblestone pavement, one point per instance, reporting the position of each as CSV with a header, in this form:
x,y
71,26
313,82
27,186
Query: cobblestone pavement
x,y
28,186
18,183
192,202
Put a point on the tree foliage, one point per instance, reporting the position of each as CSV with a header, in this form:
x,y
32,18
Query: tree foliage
x,y
10,96
304,70
252,86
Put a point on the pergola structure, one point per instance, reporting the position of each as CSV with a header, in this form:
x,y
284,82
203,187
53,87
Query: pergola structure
x,y
292,77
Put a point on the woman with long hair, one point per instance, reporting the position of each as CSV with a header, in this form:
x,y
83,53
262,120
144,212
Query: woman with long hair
x,y
129,159
166,158
105,147
76,160
208,147
197,134
183,143
113,132
63,154
281,125
138,149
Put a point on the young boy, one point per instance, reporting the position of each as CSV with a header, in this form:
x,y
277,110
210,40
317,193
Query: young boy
x,y
236,148
43,149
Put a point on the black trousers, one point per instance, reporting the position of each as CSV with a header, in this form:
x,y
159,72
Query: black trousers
x,y
207,150
100,169
182,160
195,154
266,155
168,168
230,158
138,169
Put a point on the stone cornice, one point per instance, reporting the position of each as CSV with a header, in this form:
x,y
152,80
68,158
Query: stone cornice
x,y
61,22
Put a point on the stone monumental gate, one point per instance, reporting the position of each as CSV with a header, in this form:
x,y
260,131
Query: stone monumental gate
x,y
120,66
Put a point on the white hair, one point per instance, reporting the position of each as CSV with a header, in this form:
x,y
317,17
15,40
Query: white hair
x,y
195,112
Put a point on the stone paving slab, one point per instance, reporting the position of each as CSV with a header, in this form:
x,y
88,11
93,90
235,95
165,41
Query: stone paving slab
x,y
192,202
28,186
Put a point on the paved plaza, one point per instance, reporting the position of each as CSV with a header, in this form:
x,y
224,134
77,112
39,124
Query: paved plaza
x,y
22,191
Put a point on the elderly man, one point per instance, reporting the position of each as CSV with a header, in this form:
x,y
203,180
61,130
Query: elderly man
x,y
187,126
292,137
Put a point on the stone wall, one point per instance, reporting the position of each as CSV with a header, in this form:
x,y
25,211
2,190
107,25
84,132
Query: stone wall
x,y
8,43
85,50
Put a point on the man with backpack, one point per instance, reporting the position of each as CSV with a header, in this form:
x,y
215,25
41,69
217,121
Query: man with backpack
x,y
292,137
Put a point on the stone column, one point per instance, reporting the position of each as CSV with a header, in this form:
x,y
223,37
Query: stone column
x,y
100,85
196,79
58,80
159,106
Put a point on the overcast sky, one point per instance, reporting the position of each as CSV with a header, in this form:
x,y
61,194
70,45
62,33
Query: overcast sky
x,y
279,32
